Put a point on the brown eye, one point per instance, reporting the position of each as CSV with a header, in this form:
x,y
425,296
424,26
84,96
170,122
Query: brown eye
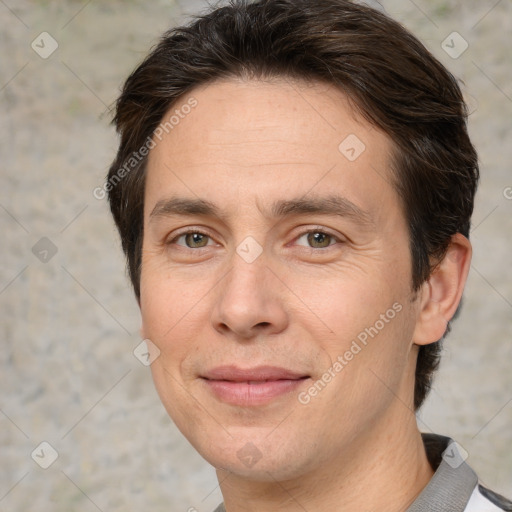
x,y
194,240
191,240
316,239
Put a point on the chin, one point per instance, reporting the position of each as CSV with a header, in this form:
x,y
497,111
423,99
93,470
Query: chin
x,y
259,460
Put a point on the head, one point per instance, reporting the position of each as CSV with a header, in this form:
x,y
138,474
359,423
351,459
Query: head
x,y
262,118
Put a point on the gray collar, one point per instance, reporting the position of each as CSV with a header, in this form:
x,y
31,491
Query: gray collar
x,y
449,490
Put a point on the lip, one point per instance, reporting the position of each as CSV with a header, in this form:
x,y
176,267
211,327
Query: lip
x,y
253,386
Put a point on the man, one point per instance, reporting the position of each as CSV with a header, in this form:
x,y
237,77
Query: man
x,y
293,190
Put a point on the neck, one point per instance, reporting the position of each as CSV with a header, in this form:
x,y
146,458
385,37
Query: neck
x,y
382,470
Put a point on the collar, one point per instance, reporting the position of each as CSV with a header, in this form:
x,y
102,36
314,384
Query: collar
x,y
449,490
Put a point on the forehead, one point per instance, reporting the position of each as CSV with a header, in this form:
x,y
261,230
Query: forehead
x,y
257,141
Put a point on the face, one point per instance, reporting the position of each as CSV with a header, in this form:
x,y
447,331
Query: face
x,y
276,278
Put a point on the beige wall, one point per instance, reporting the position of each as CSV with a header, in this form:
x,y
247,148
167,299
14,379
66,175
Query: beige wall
x,y
69,325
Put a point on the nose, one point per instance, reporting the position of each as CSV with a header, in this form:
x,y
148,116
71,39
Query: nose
x,y
249,301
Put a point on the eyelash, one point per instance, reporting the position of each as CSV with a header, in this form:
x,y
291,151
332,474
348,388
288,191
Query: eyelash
x,y
198,232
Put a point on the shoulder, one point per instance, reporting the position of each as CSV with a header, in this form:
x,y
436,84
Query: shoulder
x,y
485,500
454,486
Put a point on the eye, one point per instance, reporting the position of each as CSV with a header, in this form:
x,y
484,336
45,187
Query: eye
x,y
192,239
318,239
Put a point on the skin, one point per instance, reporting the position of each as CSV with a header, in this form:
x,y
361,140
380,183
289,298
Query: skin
x,y
299,305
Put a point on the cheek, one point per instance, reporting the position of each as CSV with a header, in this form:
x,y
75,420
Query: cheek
x,y
160,307
370,324
174,315
164,298
382,348
348,305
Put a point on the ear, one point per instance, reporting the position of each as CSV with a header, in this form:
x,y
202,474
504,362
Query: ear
x,y
441,293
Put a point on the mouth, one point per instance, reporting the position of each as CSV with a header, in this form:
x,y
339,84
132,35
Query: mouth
x,y
253,386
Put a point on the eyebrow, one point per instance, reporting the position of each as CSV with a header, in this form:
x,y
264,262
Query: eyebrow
x,y
326,205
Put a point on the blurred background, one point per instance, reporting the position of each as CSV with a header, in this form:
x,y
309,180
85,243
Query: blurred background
x,y
68,374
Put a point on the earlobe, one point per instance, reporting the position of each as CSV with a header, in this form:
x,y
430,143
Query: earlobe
x,y
442,292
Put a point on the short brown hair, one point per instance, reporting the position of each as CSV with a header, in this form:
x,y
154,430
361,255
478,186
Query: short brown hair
x,y
388,75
